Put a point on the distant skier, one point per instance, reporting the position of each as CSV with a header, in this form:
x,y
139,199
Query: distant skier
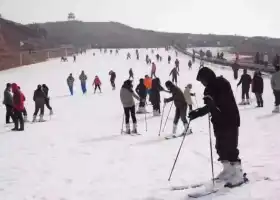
x,y
8,102
97,84
160,59
18,108
193,58
174,74
220,103
64,59
157,56
190,64
275,85
153,71
188,96
74,58
153,51
126,95
257,87
39,98
155,96
128,56
177,64
117,52
111,51
176,52
169,59
147,59
246,81
235,68
83,79
47,100
70,83
180,105
201,65
112,79
137,54
141,91
131,75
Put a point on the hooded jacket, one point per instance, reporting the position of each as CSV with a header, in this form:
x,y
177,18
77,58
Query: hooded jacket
x,y
39,96
70,81
83,78
18,98
127,94
155,91
257,84
141,89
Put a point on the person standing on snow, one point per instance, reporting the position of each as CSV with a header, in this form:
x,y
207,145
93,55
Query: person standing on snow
x,y
70,83
126,95
190,64
18,108
155,96
47,100
8,102
137,54
97,84
169,59
142,93
174,73
112,79
153,71
180,105
177,63
128,57
74,58
24,112
220,103
275,85
39,98
188,96
246,81
257,87
131,75
265,60
83,79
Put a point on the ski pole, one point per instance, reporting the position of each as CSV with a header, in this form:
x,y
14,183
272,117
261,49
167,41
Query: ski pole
x,y
146,117
161,119
122,124
167,117
186,130
211,150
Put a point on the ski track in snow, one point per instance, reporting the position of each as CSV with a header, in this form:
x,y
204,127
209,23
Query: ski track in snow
x,y
80,155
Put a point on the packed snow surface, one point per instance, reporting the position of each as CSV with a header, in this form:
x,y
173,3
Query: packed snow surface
x,y
79,153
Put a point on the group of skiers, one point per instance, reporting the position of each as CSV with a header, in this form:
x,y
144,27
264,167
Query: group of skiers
x,y
15,109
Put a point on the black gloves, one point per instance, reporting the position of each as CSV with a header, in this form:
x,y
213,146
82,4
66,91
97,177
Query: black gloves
x,y
194,114
165,100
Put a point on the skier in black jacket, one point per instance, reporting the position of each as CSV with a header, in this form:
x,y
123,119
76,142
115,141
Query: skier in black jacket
x,y
174,73
169,59
8,102
112,79
246,81
39,98
180,104
155,96
46,91
257,87
141,90
220,103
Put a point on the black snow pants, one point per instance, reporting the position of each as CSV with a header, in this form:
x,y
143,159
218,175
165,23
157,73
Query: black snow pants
x,y
130,111
277,97
142,102
18,119
9,113
113,83
156,106
39,107
245,93
180,113
259,99
174,79
97,86
48,103
227,144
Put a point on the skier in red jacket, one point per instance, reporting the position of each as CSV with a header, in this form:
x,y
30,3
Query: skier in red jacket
x,y
97,84
18,107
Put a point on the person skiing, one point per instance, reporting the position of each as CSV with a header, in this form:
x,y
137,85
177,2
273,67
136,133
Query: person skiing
x,y
8,102
193,57
201,65
147,59
155,96
97,84
153,71
18,108
39,98
275,85
246,81
177,63
190,64
220,103
112,79
137,54
111,51
128,56
235,68
188,96
47,100
180,105
70,83
74,58
169,59
157,56
83,79
174,73
257,87
126,95
131,75
141,91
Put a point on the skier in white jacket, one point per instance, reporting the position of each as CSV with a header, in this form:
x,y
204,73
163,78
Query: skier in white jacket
x,y
188,96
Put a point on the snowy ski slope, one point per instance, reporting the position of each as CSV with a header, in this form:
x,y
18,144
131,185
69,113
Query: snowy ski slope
x,y
80,155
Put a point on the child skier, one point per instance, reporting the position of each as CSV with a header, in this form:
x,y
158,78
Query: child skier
x,y
83,79
112,79
188,96
181,107
131,75
257,87
70,83
174,73
47,100
126,96
39,98
97,84
153,71
246,81
142,93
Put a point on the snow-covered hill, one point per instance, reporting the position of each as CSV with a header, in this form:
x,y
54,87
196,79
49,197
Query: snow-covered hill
x,y
79,154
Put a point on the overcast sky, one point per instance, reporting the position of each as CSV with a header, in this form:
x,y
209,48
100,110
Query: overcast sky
x,y
243,17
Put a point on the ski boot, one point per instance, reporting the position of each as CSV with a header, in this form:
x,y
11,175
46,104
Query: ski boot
x,y
41,118
127,129
34,119
276,109
51,112
25,118
237,177
186,132
134,130
225,174
242,102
